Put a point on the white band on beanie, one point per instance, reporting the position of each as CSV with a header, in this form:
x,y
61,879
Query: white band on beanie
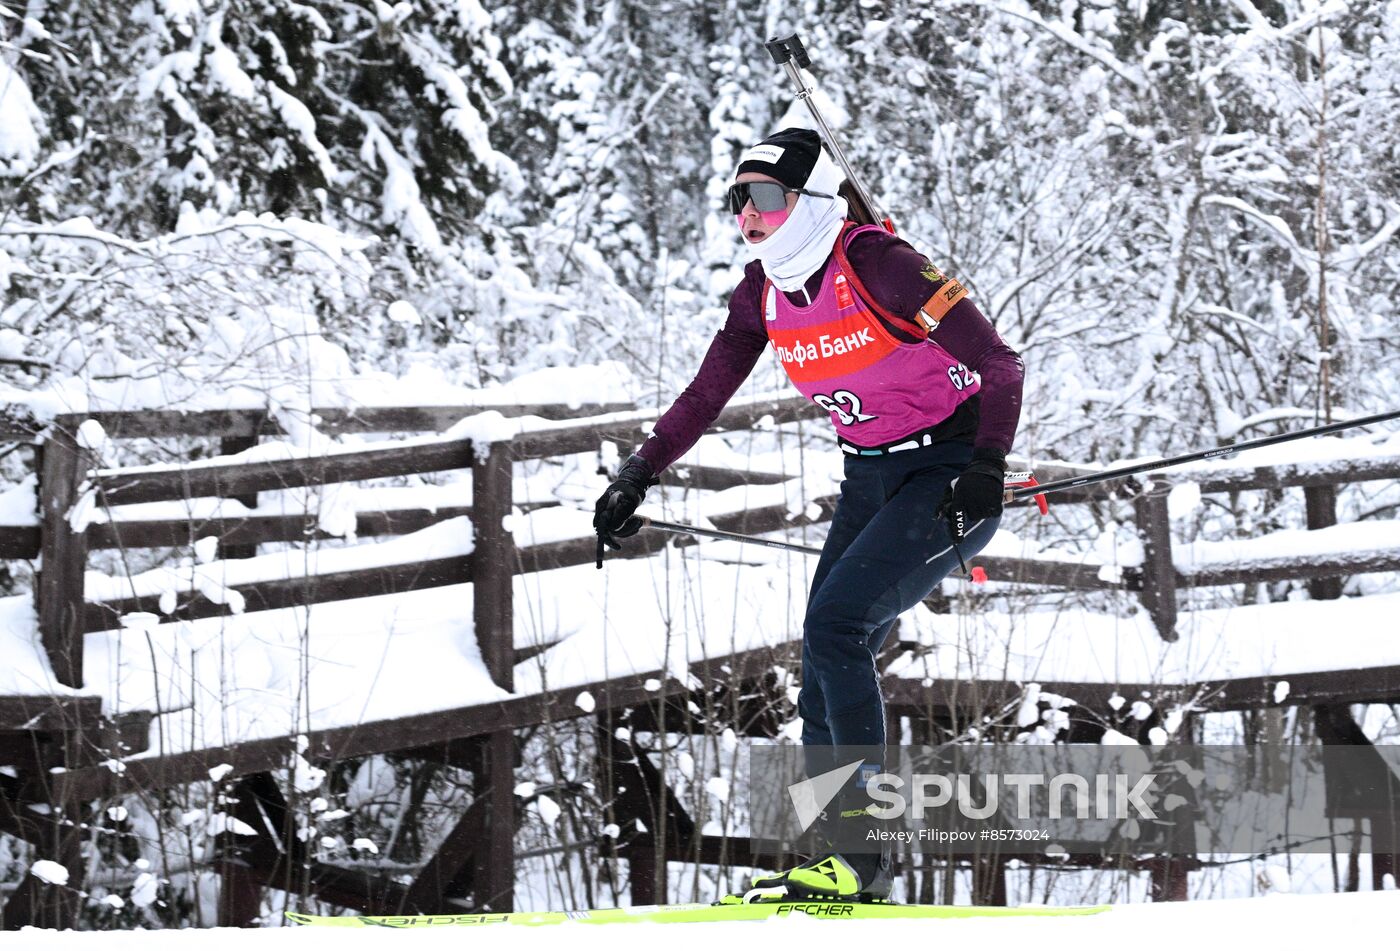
x,y
772,154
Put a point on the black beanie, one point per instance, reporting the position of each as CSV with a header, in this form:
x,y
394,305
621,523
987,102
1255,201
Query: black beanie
x,y
788,155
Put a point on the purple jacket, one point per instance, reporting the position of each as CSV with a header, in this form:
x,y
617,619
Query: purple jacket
x,y
892,271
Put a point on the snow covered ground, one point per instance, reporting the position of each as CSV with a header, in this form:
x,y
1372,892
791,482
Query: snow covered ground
x,y
1275,923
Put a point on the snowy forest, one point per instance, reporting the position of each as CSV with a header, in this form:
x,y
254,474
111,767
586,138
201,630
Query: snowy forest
x,y
1183,214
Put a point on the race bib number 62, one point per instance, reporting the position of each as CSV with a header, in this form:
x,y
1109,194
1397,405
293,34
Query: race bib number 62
x,y
846,406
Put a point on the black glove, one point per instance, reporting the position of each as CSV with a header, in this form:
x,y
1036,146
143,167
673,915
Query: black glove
x,y
612,516
976,494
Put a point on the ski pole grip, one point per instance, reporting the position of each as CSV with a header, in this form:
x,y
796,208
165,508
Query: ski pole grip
x,y
784,48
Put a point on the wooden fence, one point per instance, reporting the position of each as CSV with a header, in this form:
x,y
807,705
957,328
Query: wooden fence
x,y
67,478
66,474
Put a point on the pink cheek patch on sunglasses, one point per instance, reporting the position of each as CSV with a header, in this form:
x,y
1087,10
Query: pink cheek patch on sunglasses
x,y
771,219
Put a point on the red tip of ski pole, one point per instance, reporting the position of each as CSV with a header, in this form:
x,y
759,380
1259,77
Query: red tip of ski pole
x,y
979,575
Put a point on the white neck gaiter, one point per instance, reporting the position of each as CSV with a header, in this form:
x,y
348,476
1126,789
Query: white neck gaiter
x,y
794,252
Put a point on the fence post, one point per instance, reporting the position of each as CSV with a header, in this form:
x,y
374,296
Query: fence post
x,y
1169,881
989,879
1321,501
229,446
244,862
1158,572
1169,871
59,592
493,570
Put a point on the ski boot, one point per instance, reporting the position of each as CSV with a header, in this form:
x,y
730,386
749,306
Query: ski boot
x,y
844,869
860,877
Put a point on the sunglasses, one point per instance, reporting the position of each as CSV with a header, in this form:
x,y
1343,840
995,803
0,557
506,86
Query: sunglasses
x,y
766,196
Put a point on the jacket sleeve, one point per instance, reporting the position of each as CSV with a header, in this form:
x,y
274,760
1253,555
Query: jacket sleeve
x,y
902,281
731,357
970,338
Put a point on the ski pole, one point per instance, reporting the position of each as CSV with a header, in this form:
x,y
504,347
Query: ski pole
x,y
977,575
1029,489
1108,475
679,529
789,53
1012,479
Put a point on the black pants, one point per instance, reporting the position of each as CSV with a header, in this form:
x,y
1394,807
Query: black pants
x,y
885,553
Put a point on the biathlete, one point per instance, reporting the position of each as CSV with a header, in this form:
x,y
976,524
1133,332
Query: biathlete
x,y
925,397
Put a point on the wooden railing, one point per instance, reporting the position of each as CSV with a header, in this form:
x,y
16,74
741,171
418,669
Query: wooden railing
x,y
67,476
